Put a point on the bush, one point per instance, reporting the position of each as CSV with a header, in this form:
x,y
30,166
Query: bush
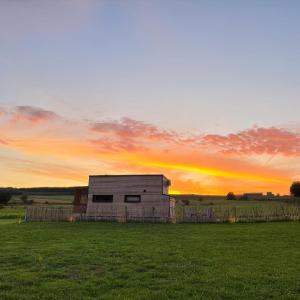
x,y
244,197
295,189
24,198
4,197
231,196
186,202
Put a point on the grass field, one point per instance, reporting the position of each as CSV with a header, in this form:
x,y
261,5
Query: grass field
x,y
44,199
149,261
12,212
222,201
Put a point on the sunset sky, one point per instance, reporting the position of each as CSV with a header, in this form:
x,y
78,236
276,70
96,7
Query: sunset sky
x,y
205,92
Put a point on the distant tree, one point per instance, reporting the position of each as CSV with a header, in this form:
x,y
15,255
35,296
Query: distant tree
x,y
231,196
295,189
4,197
24,198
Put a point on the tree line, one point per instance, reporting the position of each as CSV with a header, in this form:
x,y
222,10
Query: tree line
x,y
294,191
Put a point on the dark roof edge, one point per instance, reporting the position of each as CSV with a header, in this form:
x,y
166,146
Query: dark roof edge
x,y
125,175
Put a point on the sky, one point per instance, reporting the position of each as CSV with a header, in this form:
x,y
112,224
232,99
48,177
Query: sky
x,y
205,92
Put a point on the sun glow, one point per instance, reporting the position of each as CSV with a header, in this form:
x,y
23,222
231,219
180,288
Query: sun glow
x,y
216,172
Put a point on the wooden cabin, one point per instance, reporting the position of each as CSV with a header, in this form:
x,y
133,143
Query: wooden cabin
x,y
130,198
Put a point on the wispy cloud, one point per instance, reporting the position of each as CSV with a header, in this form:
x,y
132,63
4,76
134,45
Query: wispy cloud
x,y
26,170
32,114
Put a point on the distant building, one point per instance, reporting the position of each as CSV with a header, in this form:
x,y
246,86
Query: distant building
x,y
254,196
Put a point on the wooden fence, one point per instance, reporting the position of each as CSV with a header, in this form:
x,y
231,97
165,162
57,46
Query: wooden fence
x,y
189,214
42,213
185,214
127,213
108,213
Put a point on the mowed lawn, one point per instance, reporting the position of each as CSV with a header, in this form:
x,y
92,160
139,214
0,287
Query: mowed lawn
x,y
149,261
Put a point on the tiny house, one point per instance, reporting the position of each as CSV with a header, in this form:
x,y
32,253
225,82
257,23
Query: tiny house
x,y
130,198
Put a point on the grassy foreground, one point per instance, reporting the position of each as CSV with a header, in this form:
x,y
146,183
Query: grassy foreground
x,y
149,261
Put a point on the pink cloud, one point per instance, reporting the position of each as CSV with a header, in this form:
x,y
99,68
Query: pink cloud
x,y
131,135
128,135
259,141
129,128
3,142
33,114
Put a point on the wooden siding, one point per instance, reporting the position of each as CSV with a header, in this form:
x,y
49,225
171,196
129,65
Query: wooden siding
x,y
151,188
147,201
127,184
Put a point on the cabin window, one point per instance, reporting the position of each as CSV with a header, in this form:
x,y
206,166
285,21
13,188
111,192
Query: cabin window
x,y
132,198
102,198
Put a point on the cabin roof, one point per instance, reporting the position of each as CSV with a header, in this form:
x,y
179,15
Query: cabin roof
x,y
130,175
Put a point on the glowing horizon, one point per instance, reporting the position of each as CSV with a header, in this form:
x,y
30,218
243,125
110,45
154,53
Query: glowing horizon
x,y
54,151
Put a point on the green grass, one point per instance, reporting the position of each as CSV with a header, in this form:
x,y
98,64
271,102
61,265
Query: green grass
x,y
12,212
149,261
231,203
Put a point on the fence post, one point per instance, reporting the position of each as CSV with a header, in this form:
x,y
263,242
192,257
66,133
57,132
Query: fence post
x,y
125,213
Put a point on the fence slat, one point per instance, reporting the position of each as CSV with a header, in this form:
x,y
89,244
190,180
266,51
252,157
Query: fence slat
x,y
34,213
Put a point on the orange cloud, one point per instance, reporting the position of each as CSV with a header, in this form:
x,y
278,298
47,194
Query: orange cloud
x,y
257,141
199,164
53,170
